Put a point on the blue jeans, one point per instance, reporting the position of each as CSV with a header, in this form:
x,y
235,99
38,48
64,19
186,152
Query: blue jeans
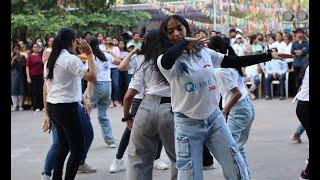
x,y
300,129
240,120
190,134
269,79
101,94
115,76
88,137
49,162
87,132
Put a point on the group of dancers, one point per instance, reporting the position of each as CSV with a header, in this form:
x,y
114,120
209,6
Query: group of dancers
x,y
172,101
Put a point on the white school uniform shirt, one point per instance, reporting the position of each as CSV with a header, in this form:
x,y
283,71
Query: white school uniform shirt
x,y
102,47
276,66
303,94
194,91
280,46
102,69
229,78
135,62
65,87
146,81
287,50
239,49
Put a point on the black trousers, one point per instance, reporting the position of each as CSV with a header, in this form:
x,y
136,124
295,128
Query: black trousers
x,y
36,91
302,112
123,83
67,121
126,134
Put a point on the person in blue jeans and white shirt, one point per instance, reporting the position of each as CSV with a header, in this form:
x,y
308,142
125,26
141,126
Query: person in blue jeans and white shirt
x,y
84,112
236,103
100,92
189,69
275,70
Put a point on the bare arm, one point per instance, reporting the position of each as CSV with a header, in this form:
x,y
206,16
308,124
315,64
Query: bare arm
x,y
28,75
124,65
127,101
235,96
46,123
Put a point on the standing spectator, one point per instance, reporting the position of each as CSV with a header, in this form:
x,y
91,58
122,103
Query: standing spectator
x,y
275,70
213,33
130,47
300,48
115,41
124,78
287,39
34,70
17,83
48,49
232,35
22,49
270,41
101,41
136,40
115,93
87,35
238,45
279,44
40,43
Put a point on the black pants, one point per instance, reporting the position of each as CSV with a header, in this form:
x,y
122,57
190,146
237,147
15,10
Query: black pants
x,y
126,134
36,91
123,83
302,112
66,119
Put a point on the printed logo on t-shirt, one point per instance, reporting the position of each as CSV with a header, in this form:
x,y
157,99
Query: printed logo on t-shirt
x,y
206,65
105,66
192,87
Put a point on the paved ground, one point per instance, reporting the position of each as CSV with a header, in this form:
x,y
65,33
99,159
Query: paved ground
x,y
270,153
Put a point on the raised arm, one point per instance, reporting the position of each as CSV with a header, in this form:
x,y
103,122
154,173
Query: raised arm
x,y
170,56
124,65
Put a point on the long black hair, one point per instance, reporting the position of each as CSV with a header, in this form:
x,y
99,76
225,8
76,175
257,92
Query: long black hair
x,y
151,50
63,40
221,44
165,43
94,44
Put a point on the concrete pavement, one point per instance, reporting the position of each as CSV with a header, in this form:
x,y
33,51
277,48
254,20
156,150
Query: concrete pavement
x,y
270,153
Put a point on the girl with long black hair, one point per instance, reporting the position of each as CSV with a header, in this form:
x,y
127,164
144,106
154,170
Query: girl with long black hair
x,y
100,92
65,71
189,67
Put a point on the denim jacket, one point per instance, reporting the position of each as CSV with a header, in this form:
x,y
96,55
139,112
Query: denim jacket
x,y
304,46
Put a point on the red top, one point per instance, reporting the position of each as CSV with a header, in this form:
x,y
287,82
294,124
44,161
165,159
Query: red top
x,y
35,64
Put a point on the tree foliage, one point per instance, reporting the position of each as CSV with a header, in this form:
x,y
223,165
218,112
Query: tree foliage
x,y
34,18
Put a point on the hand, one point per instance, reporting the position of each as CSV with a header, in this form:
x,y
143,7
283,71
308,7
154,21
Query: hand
x,y
298,52
29,80
281,56
46,124
292,69
136,50
84,47
275,75
193,42
87,106
129,124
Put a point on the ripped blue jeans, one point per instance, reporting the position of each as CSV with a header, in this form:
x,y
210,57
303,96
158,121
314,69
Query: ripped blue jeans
x,y
190,134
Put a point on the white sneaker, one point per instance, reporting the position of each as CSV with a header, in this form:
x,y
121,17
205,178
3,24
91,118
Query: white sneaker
x,y
13,108
160,165
113,145
37,110
117,166
45,177
21,108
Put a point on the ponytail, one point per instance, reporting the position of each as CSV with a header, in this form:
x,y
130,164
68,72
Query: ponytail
x,y
62,41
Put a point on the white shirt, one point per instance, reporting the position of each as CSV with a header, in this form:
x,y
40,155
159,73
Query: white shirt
x,y
102,47
287,50
303,94
103,68
135,62
280,46
276,66
145,79
238,49
229,78
66,82
252,70
193,83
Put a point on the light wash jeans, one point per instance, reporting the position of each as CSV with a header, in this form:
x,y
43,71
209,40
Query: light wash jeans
x,y
101,95
152,121
190,134
240,120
